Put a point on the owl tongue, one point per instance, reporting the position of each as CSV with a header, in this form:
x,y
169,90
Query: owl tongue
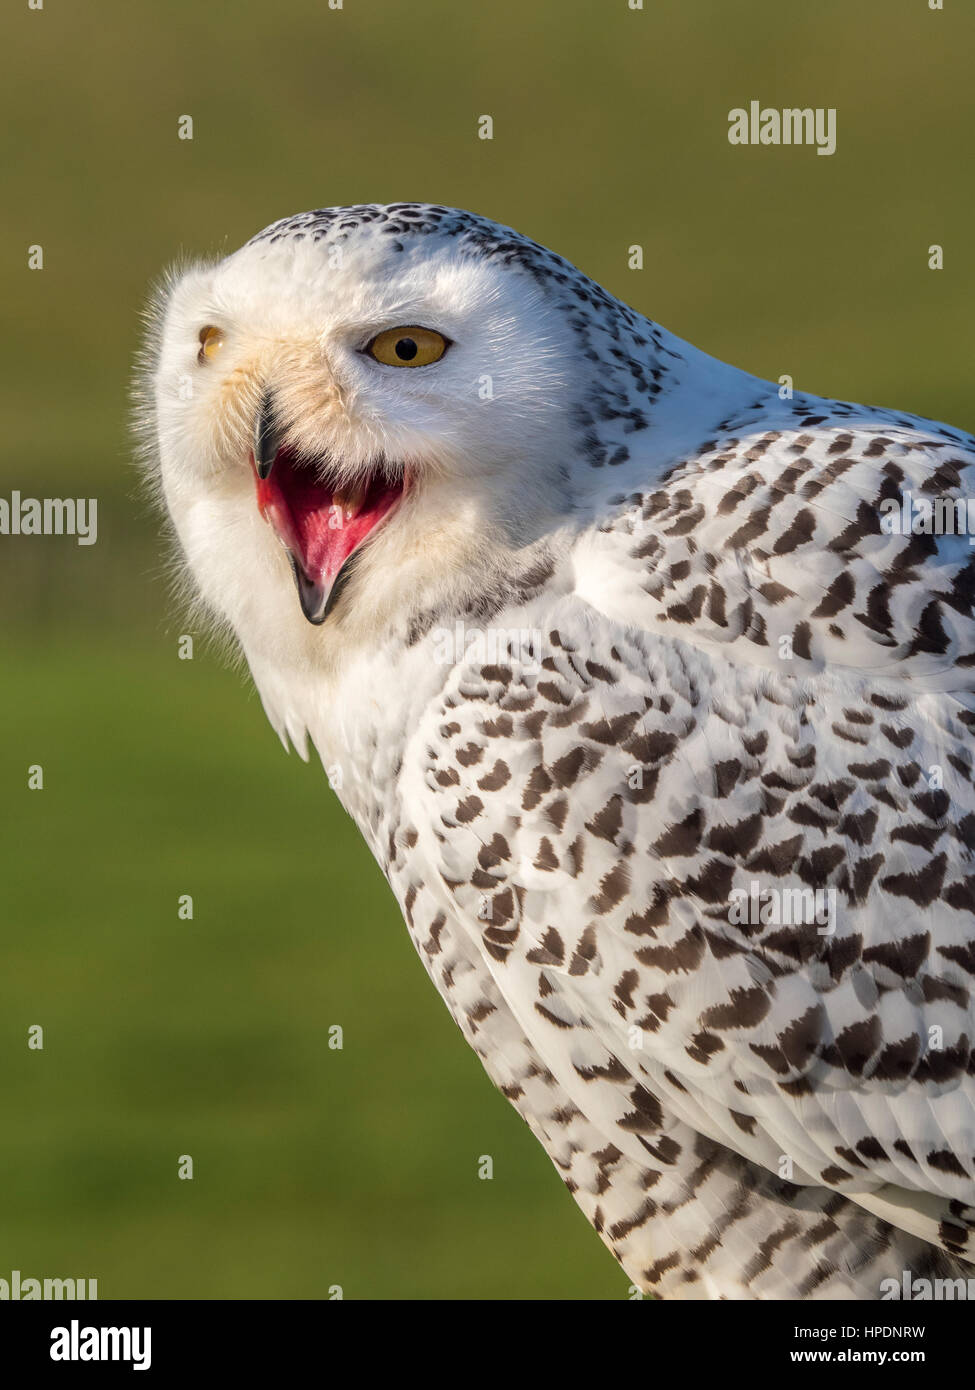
x,y
319,528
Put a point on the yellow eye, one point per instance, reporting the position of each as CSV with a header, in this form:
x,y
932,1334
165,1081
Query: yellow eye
x,y
408,347
211,341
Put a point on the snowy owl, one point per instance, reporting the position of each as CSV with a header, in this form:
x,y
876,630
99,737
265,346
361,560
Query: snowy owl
x,y
650,686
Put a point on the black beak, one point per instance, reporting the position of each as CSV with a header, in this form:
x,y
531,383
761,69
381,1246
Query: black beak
x,y
317,603
311,596
265,437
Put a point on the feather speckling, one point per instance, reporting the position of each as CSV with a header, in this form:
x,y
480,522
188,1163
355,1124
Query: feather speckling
x,y
743,691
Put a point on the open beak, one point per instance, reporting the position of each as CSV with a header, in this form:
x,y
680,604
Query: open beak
x,y
321,527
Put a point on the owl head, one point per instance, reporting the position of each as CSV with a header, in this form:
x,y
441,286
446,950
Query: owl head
x,y
364,413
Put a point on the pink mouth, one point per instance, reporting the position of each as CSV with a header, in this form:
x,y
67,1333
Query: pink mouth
x,y
321,528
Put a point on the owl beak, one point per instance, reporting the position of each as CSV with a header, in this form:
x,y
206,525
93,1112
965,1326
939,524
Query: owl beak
x,y
318,600
265,438
315,598
320,527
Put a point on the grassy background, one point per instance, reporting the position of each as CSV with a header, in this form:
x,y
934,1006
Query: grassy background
x,y
163,1037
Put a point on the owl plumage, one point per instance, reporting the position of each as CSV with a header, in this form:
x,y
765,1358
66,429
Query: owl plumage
x,y
650,686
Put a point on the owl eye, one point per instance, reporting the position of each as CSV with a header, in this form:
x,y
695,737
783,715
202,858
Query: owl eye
x,y
408,347
211,341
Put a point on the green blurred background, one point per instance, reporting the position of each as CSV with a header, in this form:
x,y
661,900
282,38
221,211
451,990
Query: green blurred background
x,y
208,1037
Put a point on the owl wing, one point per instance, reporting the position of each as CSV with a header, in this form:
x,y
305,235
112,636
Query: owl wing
x,y
716,845
812,538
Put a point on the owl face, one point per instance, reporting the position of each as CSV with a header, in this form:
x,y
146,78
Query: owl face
x,y
344,425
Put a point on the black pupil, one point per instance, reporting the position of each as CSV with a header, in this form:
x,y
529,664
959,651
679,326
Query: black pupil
x,y
406,349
